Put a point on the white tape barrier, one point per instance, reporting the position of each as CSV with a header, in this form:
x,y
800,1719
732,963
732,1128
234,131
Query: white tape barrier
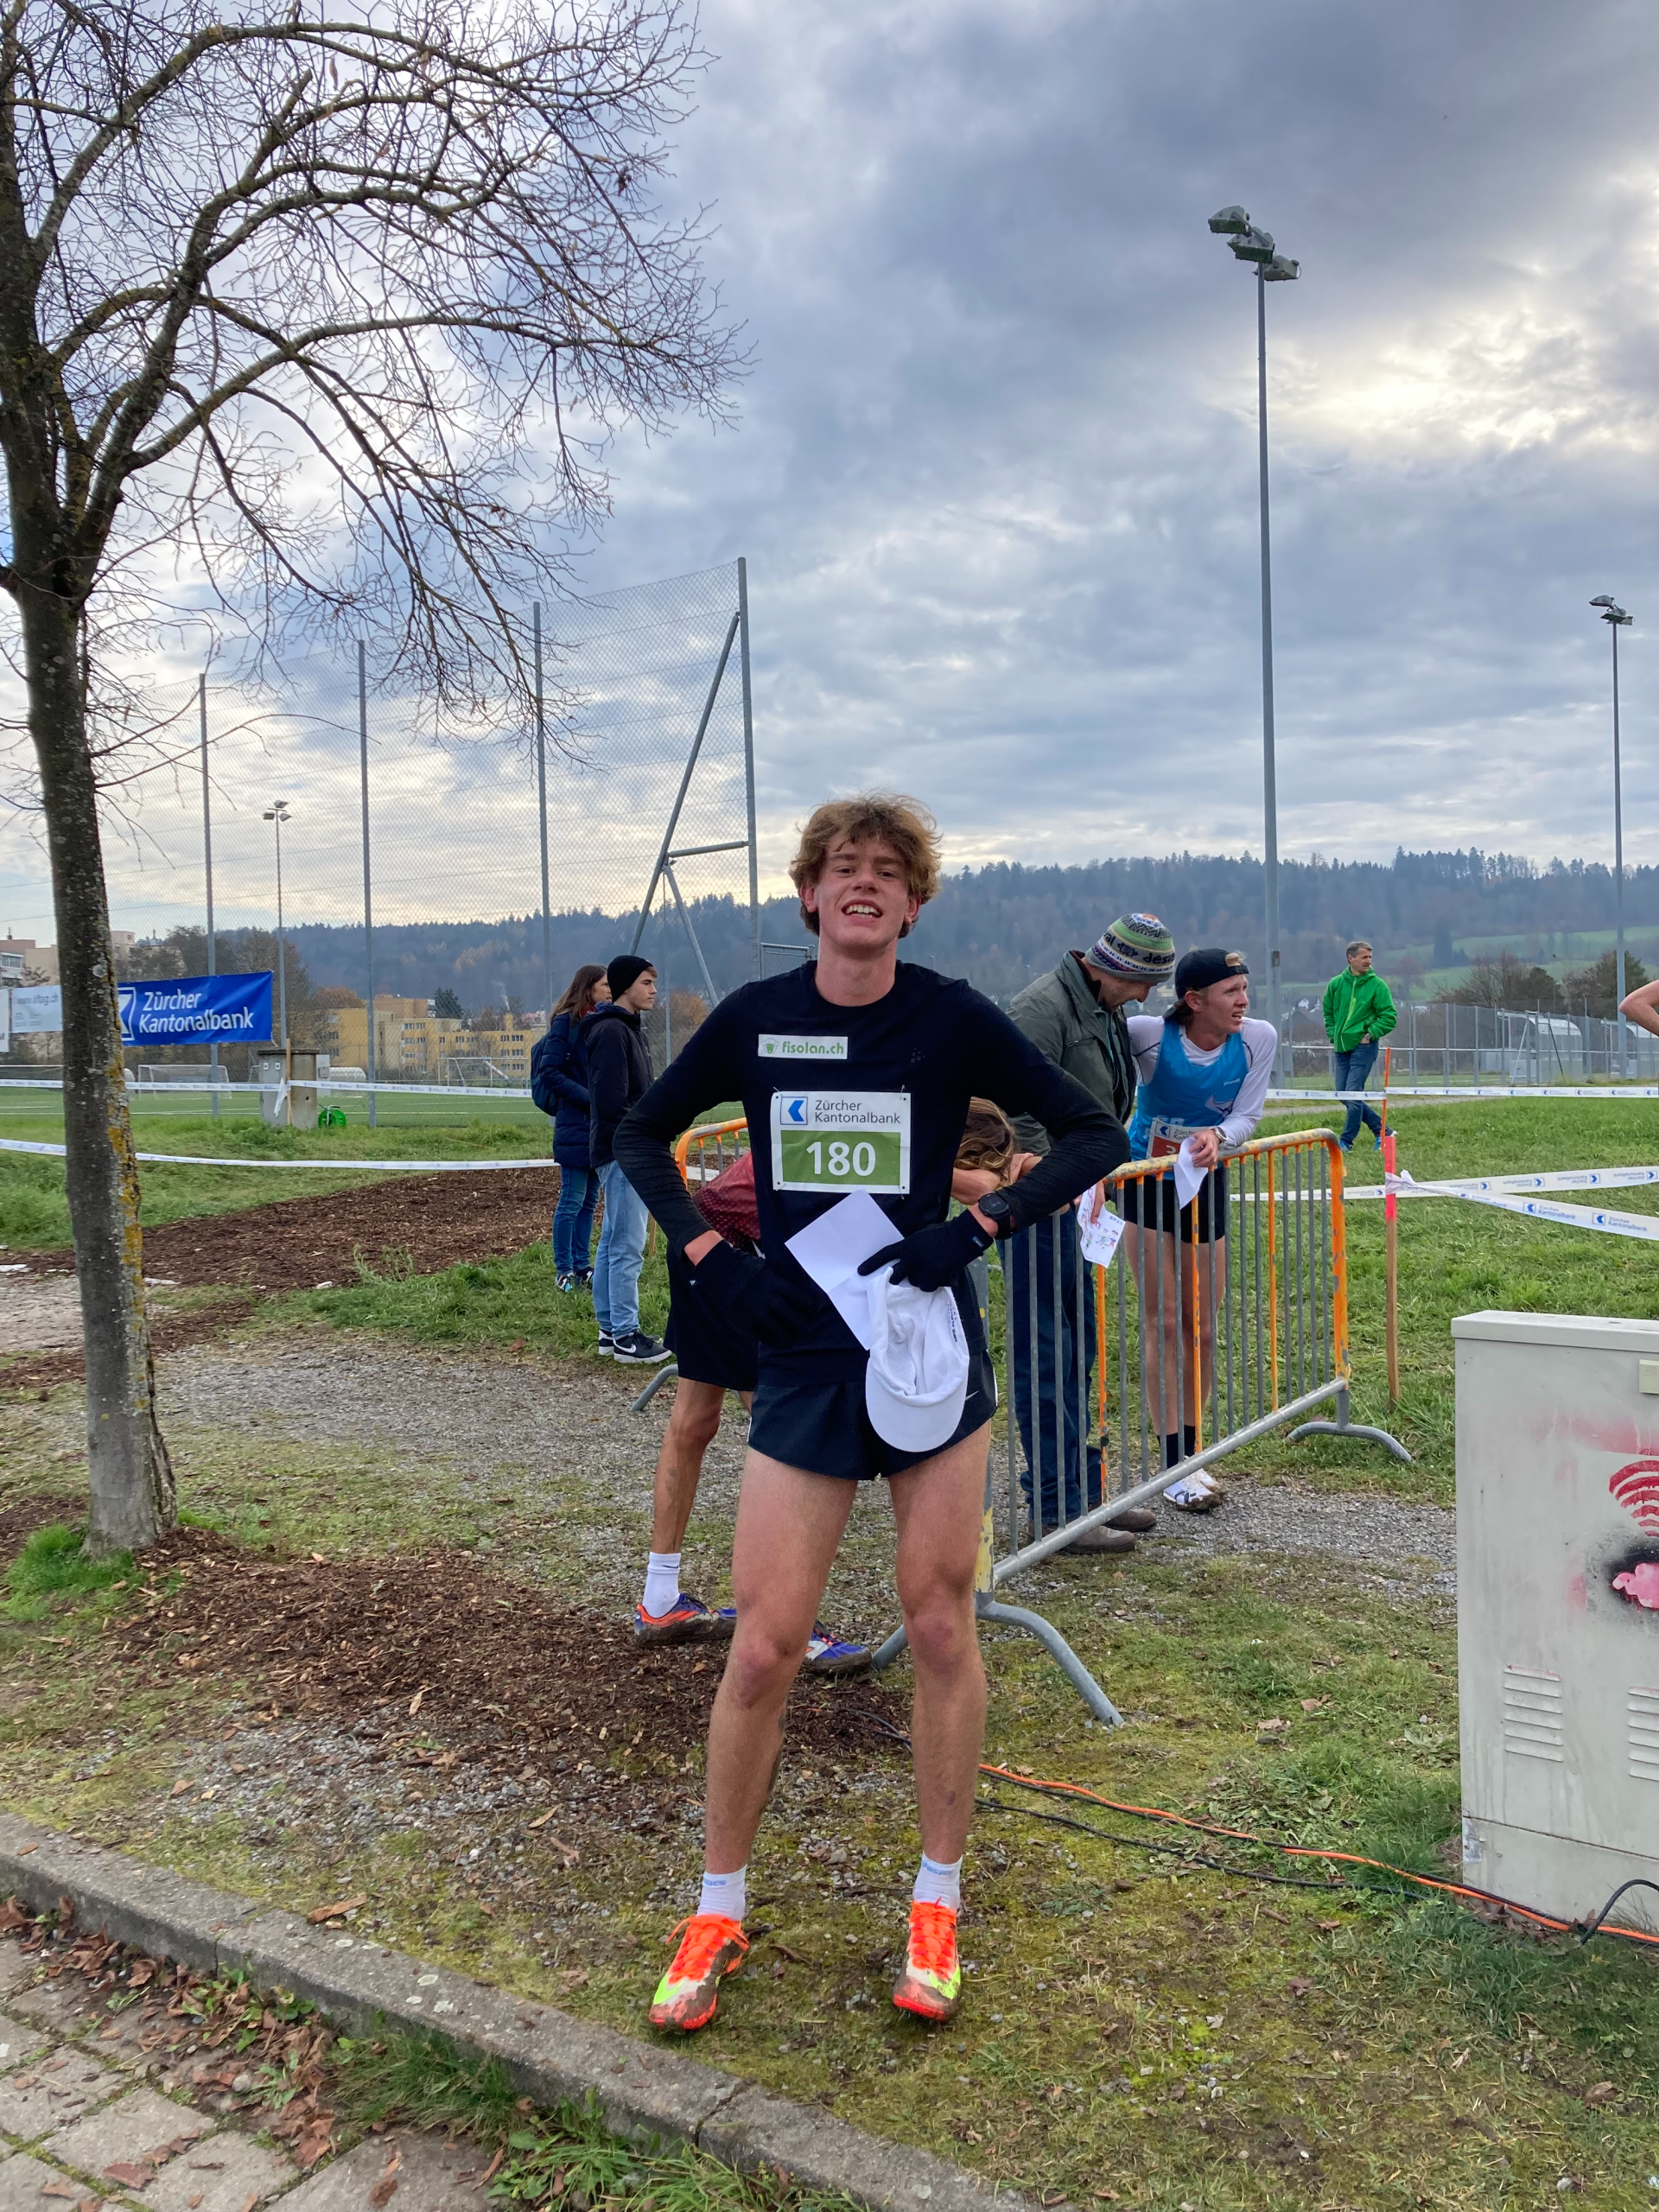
x,y
1645,1226
263,1090
384,1167
1472,1186
1397,1091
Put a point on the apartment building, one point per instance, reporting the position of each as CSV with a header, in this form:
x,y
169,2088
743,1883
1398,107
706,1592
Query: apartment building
x,y
412,1042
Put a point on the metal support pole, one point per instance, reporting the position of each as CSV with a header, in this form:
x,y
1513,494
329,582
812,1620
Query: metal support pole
x,y
1270,774
748,766
1618,863
282,952
666,851
371,1069
541,815
208,868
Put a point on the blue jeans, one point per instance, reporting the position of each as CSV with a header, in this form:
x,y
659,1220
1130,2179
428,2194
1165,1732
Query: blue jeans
x,y
573,1219
1056,1440
621,1255
1351,1072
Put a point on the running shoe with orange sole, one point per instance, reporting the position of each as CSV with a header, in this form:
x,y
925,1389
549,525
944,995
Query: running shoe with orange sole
x,y
711,1946
930,1984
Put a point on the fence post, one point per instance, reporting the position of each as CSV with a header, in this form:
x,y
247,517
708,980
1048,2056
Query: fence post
x,y
208,868
368,905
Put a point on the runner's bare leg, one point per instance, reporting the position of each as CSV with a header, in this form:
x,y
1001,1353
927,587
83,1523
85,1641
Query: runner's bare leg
x,y
938,1507
692,1427
789,1524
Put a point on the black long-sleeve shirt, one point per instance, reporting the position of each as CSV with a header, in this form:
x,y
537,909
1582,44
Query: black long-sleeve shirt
x,y
841,1098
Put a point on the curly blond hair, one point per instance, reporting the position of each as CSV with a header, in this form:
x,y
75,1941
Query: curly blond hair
x,y
902,823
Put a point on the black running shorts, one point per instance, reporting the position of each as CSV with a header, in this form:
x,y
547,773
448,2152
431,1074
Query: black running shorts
x,y
707,1344
825,1428
1202,1221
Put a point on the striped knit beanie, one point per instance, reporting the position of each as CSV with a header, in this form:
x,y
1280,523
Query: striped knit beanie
x,y
1135,945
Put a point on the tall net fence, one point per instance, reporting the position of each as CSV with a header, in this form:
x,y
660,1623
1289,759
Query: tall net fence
x,y
499,852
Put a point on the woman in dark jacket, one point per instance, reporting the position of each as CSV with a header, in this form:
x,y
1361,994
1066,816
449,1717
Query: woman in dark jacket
x,y
559,1084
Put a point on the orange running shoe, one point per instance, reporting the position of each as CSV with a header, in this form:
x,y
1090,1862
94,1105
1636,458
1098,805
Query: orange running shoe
x,y
930,1984
711,1946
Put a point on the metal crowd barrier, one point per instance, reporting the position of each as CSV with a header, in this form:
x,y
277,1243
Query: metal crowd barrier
x,y
1247,1336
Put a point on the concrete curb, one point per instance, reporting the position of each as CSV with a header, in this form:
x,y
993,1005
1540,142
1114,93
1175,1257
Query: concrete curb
x,y
645,2093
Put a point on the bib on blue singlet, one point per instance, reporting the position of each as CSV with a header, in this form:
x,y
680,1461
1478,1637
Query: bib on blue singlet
x,y
840,1141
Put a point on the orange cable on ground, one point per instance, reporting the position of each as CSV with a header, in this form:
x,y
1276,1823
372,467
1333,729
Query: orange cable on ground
x,y
1043,1787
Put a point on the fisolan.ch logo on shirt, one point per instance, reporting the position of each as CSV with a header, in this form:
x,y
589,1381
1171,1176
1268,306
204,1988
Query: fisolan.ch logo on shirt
x,y
774,1047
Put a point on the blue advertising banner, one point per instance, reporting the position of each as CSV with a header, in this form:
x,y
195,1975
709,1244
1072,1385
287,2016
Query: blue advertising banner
x,y
222,1010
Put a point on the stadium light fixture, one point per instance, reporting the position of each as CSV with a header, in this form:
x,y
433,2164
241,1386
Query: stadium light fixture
x,y
1616,619
276,812
1255,248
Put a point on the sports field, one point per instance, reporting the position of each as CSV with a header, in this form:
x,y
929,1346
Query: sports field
x,y
444,1491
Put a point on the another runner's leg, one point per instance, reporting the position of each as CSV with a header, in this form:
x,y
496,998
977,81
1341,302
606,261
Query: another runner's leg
x,y
937,1509
666,1613
1153,1254
788,1527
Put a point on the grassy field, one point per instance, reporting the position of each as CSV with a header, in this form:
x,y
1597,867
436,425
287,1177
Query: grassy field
x,y
1141,2030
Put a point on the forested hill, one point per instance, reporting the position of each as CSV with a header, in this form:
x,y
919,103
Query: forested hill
x,y
1000,926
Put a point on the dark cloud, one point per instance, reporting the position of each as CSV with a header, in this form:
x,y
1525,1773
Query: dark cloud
x,y
995,474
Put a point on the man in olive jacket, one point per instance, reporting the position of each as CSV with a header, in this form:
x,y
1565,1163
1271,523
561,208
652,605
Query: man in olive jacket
x,y
1074,1015
1358,1013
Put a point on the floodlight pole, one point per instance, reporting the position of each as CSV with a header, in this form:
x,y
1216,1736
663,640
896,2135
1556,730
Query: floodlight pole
x,y
1619,863
1269,772
371,1069
541,810
207,870
1616,618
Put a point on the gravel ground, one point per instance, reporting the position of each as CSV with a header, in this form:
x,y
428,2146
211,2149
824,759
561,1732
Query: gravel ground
x,y
39,1313
539,1427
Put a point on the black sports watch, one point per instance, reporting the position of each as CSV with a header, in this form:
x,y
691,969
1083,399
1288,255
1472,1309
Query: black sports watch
x,y
998,1210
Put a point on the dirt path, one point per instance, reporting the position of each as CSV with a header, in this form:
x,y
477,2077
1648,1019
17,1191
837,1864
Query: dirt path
x,y
425,1221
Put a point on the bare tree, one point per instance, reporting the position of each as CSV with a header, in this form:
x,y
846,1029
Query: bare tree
x,y
341,313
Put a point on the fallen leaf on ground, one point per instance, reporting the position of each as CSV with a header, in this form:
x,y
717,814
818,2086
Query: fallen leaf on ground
x,y
1273,1727
333,1911
1314,1704
1298,1985
179,1788
1602,2093
415,1702
126,2173
381,2194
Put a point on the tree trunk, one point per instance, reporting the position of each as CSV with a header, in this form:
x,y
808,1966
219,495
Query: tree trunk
x,y
133,1495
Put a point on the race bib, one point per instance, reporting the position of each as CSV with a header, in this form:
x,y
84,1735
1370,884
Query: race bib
x,y
840,1141
1168,1136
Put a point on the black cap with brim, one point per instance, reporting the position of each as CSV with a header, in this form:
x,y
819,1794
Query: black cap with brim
x,y
1206,965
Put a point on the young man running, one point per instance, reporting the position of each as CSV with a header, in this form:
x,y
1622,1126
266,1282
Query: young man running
x,y
855,1074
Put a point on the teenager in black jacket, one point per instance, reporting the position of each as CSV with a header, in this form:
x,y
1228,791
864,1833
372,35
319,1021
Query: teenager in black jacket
x,y
619,1074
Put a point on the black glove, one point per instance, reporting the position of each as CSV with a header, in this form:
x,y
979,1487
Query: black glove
x,y
931,1258
741,1285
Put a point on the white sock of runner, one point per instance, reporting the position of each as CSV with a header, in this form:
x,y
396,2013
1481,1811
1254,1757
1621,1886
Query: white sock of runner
x,y
661,1581
938,1884
726,1893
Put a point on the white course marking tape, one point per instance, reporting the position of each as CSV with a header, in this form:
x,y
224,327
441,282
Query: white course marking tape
x,y
385,1166
1563,1178
1467,1090
1645,1226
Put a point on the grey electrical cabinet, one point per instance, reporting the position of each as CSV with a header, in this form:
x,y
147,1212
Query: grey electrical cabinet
x,y
1558,1609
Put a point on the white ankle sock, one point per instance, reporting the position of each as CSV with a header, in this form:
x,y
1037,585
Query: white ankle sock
x,y
726,1893
661,1581
938,1884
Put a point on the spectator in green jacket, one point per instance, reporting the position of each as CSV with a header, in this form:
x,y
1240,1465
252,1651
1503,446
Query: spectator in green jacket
x,y
1358,1013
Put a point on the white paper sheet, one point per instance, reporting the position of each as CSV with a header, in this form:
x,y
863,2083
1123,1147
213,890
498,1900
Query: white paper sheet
x,y
1100,1228
1189,1177
834,1247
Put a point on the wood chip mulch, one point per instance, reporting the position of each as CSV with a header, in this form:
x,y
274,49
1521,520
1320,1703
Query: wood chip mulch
x,y
445,1646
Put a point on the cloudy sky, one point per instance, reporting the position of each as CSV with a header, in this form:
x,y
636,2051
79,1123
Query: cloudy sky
x,y
996,472
994,468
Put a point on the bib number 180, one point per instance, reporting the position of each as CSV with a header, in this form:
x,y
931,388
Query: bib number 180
x,y
840,1141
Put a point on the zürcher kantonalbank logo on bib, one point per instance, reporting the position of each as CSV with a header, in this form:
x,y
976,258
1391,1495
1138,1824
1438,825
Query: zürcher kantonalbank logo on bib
x,y
840,1141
